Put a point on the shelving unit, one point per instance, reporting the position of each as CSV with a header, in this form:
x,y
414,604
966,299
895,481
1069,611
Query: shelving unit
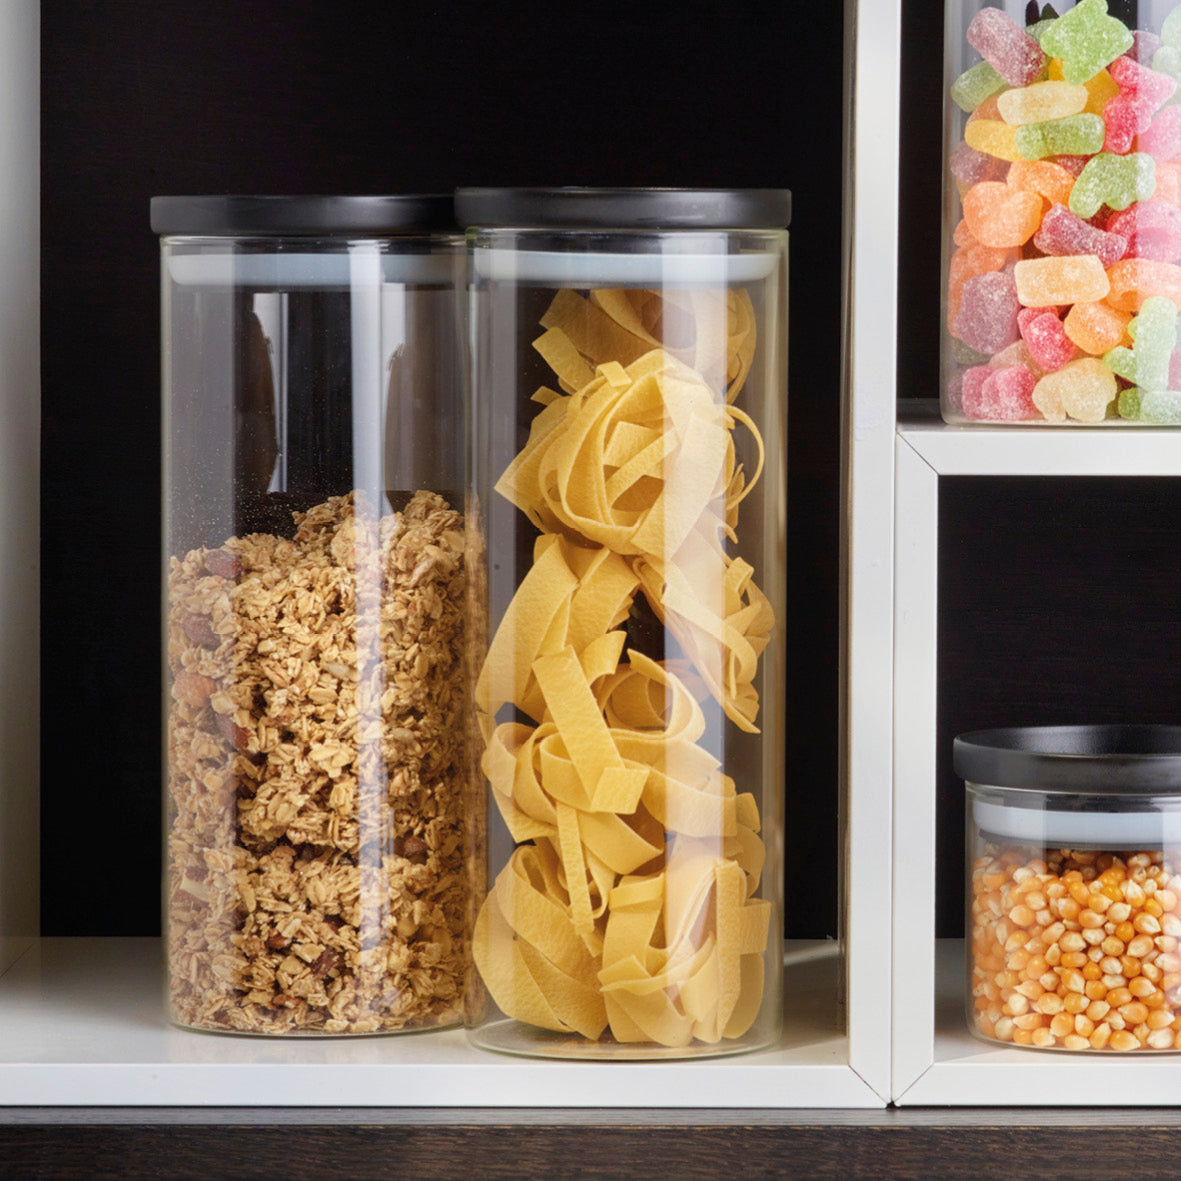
x,y
81,1020
935,1059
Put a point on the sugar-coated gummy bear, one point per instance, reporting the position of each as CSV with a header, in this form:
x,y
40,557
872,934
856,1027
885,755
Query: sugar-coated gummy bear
x,y
1133,280
994,137
1144,46
1142,91
1162,140
974,85
1063,232
999,215
1113,180
1060,279
1075,135
1051,180
999,395
987,320
1086,39
1153,333
1081,390
1096,327
1046,339
1040,102
1170,30
970,167
1152,230
1161,406
1015,56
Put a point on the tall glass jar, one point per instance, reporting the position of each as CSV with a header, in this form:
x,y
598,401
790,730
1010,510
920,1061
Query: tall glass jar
x,y
628,483
1074,886
314,607
1062,212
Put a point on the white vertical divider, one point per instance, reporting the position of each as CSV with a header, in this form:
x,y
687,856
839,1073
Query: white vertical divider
x,y
916,577
20,421
873,47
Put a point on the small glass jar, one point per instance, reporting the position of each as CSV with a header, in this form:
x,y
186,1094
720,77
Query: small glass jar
x,y
1074,886
314,613
629,446
1062,213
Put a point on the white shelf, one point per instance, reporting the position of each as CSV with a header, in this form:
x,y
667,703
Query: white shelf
x,y
967,1072
81,1022
1039,451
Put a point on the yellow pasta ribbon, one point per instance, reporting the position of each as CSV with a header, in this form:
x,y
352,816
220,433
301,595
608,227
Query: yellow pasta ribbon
x,y
629,902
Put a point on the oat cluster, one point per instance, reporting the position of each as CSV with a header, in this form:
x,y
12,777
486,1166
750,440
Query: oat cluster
x,y
316,775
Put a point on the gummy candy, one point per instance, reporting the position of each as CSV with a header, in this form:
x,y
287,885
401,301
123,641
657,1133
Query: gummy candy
x,y
1086,39
1016,354
1051,180
1144,46
1061,279
1133,280
973,86
1081,390
1152,228
1041,102
1063,232
1167,60
1015,56
1075,135
1168,184
1162,140
1141,93
998,215
970,167
1154,333
1096,327
1046,339
1170,30
993,137
987,320
1003,395
1161,406
966,262
1112,180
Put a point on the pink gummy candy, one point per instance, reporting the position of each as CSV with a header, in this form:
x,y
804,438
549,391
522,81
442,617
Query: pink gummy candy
x,y
1162,140
999,395
1015,55
1175,370
1130,112
1046,339
1063,232
1152,229
1144,46
988,311
970,167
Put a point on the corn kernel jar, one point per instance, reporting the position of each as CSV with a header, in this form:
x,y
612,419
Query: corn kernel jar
x,y
630,382
1074,886
1062,213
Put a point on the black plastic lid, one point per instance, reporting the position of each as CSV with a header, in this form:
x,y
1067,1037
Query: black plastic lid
x,y
1080,760
275,216
654,209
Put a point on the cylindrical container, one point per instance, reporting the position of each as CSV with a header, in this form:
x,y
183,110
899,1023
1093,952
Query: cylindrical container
x,y
629,446
1074,886
1062,212
315,691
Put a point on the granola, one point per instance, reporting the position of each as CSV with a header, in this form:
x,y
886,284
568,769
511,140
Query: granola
x,y
316,872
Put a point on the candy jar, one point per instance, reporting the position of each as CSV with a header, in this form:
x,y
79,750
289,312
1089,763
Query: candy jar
x,y
316,808
628,484
1074,886
1062,213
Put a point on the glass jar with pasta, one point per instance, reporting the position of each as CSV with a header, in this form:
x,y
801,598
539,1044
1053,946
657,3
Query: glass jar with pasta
x,y
628,508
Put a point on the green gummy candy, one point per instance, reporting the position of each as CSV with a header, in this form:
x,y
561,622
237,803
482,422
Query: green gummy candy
x,y
1153,333
1160,406
1167,60
1129,403
1075,135
1086,39
1038,28
1170,30
1113,180
975,85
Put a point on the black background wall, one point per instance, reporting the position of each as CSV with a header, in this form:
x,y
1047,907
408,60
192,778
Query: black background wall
x,y
1059,598
193,96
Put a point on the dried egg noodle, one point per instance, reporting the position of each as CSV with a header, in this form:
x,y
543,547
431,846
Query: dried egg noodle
x,y
628,904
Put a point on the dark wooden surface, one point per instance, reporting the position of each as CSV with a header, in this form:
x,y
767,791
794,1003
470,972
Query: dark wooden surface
x,y
330,1144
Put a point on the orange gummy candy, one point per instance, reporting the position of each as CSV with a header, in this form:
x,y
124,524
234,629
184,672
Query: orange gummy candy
x,y
1051,180
1096,327
999,215
1062,279
1133,280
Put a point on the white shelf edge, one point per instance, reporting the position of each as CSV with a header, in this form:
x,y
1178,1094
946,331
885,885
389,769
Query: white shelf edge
x,y
81,1023
968,1072
1041,451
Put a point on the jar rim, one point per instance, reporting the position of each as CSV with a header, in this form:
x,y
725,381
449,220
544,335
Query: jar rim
x,y
272,215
